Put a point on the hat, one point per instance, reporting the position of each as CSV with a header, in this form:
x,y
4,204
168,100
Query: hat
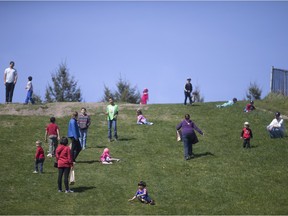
x,y
246,123
142,183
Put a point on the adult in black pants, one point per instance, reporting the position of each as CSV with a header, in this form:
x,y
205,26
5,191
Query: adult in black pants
x,y
65,163
10,80
74,134
187,91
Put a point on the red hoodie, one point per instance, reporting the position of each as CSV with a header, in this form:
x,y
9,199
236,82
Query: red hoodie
x,y
63,156
39,153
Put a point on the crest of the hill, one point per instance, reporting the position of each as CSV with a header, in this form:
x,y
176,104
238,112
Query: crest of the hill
x,y
58,109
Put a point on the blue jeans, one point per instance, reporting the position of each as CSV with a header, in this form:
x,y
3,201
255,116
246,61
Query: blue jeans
x,y
39,162
276,133
29,97
9,91
187,143
112,123
83,137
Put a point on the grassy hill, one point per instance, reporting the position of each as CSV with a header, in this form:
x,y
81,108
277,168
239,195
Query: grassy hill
x,y
223,179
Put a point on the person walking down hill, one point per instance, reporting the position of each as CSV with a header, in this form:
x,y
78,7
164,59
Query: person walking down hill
x,y
112,114
188,88
52,132
65,163
74,135
145,97
276,128
84,122
246,135
189,137
39,157
141,119
227,104
29,88
10,80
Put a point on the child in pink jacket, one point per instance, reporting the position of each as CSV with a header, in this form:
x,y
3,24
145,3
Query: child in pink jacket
x,y
145,96
106,157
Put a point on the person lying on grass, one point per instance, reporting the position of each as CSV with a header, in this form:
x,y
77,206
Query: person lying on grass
x,y
142,194
227,104
141,119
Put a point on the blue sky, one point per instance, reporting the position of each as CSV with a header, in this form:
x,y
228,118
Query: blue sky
x,y
222,46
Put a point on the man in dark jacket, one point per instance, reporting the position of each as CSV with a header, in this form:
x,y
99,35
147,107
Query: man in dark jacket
x,y
187,91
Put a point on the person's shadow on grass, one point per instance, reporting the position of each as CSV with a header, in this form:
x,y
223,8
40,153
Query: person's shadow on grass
x,y
203,154
82,189
89,162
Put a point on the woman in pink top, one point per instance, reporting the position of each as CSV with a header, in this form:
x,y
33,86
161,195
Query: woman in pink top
x,y
106,158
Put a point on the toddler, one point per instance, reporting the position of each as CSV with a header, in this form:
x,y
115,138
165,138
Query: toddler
x,y
246,135
106,157
145,96
29,88
141,119
39,157
142,194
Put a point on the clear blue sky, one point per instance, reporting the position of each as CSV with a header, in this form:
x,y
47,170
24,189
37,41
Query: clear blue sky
x,y
222,46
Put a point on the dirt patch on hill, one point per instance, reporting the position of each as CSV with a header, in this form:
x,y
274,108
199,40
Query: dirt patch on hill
x,y
59,109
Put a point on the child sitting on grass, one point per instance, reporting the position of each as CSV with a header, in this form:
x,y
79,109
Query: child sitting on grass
x,y
39,157
142,194
106,158
141,119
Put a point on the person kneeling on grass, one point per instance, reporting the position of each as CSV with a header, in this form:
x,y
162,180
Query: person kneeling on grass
x,y
141,119
142,194
106,158
276,128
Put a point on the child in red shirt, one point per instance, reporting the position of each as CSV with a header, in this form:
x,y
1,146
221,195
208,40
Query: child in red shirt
x,y
246,135
52,132
39,157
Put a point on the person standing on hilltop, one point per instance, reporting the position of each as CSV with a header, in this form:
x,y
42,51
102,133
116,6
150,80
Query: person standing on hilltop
x,y
188,88
10,80
145,96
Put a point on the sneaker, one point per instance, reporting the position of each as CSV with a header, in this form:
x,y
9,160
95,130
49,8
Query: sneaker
x,y
60,191
109,140
49,155
35,171
69,191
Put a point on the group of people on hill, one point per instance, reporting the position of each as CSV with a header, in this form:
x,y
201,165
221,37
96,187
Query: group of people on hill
x,y
65,155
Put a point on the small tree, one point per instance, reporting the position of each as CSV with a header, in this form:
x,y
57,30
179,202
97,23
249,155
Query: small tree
x,y
254,92
196,95
64,87
107,94
37,98
124,93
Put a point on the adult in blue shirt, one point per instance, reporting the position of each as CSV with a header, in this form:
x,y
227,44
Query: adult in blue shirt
x,y
73,134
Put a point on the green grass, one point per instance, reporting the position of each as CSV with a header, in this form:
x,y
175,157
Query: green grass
x,y
224,178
